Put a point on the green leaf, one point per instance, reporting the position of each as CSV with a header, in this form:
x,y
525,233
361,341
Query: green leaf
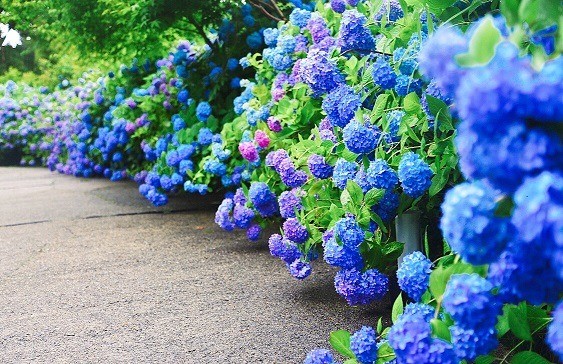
x,y
482,44
351,361
529,357
412,103
373,196
379,325
539,14
509,9
340,341
437,6
440,329
379,106
355,191
502,325
518,323
397,308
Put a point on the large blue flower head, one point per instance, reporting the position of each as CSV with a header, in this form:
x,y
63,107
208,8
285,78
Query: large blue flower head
x,y
290,202
470,343
538,216
413,274
415,175
223,216
319,72
349,231
338,6
423,309
342,255
318,28
254,40
263,199
319,356
364,345
290,176
361,288
360,138
468,299
380,175
300,269
354,35
294,231
243,216
437,58
343,172
383,74
319,167
390,10
387,207
253,232
341,104
506,157
406,84
411,340
203,111
205,136
469,223
555,331
299,17
271,36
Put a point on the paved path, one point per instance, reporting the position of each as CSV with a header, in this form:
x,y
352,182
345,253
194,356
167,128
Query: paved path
x,y
91,273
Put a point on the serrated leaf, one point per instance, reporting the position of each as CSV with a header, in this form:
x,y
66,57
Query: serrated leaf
x,y
397,308
529,357
340,341
351,361
412,103
355,191
373,196
440,329
518,324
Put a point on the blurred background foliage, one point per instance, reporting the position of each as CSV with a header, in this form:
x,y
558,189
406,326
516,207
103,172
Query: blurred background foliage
x,y
65,37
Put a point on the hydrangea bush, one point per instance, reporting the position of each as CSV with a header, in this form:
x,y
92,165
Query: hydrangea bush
x,y
332,119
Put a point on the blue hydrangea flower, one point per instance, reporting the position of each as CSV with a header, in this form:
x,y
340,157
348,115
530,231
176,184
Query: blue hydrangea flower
x,y
411,340
300,269
380,175
341,104
394,122
319,167
319,72
387,207
383,74
263,200
319,356
406,60
271,36
343,171
361,288
338,6
413,274
406,84
343,256
468,299
415,175
294,231
205,136
349,231
360,138
299,17
354,35
469,223
390,10
253,232
254,40
203,111
469,343
364,345
426,311
242,216
183,96
290,202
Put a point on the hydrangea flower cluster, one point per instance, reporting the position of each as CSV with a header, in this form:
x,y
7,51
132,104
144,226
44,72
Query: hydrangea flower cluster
x,y
413,274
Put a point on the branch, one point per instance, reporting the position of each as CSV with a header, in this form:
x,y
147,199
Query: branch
x,y
259,6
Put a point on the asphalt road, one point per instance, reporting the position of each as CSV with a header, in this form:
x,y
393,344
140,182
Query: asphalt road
x,y
91,273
